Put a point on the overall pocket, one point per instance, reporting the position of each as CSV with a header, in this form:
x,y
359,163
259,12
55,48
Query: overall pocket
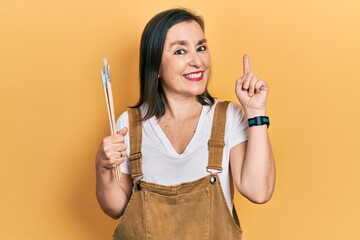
x,y
184,216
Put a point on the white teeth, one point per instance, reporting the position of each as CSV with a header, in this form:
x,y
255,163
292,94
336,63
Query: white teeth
x,y
194,75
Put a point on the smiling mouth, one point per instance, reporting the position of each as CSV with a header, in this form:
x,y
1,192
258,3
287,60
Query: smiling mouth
x,y
195,76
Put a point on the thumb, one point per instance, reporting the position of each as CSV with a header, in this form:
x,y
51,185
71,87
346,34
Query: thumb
x,y
123,131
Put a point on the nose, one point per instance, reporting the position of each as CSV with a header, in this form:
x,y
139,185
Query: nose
x,y
195,59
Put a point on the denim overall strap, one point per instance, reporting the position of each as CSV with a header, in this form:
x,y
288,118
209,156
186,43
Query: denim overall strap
x,y
216,142
135,134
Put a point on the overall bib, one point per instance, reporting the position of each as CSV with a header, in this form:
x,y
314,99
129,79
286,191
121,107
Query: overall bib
x,y
191,210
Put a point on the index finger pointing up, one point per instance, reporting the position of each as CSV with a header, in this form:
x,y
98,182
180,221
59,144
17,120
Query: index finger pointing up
x,y
246,64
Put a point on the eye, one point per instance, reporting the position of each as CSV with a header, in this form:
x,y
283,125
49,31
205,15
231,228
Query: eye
x,y
179,52
201,48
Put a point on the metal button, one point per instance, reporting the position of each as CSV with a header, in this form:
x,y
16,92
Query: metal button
x,y
213,179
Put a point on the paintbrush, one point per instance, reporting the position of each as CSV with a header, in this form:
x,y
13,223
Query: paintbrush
x,y
105,75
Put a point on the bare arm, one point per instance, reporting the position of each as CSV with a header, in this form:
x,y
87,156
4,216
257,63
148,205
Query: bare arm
x,y
113,196
253,167
252,162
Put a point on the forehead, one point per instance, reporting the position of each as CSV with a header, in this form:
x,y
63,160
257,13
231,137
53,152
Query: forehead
x,y
184,31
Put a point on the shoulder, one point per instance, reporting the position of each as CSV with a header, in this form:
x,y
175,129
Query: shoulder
x,y
234,110
235,118
236,125
123,119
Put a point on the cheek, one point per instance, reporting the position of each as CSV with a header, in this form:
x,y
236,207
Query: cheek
x,y
170,67
207,61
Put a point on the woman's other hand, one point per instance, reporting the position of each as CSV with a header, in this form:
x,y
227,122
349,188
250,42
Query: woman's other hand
x,y
251,91
112,151
113,196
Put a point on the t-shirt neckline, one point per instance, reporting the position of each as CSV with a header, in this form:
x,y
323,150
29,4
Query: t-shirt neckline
x,y
165,140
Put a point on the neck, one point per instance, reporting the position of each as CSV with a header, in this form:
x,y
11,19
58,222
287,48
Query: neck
x,y
182,108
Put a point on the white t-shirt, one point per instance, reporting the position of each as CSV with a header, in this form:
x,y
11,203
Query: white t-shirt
x,y
163,165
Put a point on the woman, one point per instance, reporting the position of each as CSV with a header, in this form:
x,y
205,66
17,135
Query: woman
x,y
186,149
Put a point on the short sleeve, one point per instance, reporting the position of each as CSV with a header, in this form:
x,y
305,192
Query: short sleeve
x,y
123,121
236,125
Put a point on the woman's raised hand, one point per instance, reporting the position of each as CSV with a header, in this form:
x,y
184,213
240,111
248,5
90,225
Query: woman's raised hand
x,y
112,151
251,92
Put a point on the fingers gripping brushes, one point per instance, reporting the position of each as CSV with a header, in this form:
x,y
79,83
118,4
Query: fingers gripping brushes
x,y
112,151
105,74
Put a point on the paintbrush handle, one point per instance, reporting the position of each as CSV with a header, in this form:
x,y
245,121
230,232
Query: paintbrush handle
x,y
111,109
105,74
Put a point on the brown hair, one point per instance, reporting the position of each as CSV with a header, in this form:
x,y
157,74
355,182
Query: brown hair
x,y
151,49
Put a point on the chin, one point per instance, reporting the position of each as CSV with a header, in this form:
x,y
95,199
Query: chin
x,y
198,92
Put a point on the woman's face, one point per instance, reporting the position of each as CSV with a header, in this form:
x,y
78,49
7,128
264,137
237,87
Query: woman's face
x,y
185,63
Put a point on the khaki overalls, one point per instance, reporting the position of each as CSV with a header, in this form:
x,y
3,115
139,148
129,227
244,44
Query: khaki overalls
x,y
192,210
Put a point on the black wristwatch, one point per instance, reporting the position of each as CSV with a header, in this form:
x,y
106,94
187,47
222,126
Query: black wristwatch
x,y
258,121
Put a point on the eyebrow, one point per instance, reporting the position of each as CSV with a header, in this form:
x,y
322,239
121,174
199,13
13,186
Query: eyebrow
x,y
184,43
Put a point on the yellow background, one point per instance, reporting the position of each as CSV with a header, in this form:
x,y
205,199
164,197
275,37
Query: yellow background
x,y
53,112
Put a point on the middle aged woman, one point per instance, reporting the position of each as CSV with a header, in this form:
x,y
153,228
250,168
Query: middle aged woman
x,y
185,149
